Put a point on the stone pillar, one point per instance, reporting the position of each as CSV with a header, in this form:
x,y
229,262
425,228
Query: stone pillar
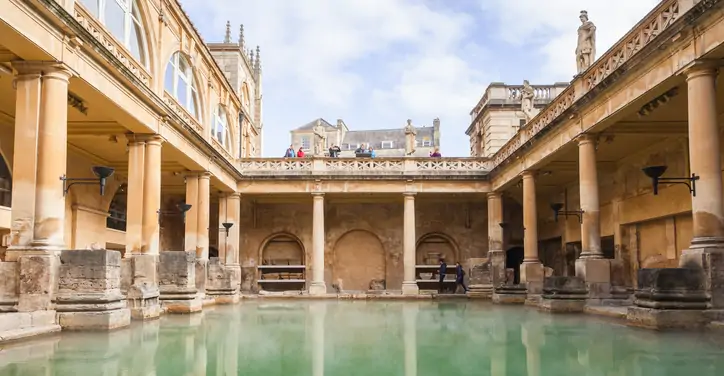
x,y
707,245
143,294
318,287
223,280
222,235
151,195
202,232
134,211
496,253
177,282
233,207
531,271
409,284
591,266
409,317
192,216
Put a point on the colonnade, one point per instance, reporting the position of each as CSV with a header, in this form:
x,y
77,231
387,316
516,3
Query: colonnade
x,y
707,202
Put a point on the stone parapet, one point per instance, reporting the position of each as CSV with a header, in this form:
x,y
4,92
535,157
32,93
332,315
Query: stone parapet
x,y
89,295
563,295
669,298
222,282
178,281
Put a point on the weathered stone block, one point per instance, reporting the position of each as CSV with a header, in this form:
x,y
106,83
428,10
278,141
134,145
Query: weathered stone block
x,y
177,282
531,275
37,281
89,295
9,277
510,294
653,318
563,294
201,270
597,274
222,282
711,262
126,274
479,272
671,288
143,294
497,267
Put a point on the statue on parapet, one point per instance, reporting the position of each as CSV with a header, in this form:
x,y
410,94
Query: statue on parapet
x,y
527,95
586,48
320,138
410,134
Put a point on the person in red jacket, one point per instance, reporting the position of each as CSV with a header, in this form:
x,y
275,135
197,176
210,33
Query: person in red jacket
x,y
300,153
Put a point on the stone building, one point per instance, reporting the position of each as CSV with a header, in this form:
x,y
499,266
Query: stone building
x,y
386,142
614,186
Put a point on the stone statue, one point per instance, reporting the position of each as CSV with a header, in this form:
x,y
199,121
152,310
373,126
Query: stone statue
x,y
527,95
320,138
410,134
586,48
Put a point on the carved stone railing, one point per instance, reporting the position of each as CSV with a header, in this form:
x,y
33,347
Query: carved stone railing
x,y
367,168
179,110
542,92
634,41
503,93
109,42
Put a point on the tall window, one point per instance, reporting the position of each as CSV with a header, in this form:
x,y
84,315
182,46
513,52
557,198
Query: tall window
x,y
221,128
306,145
388,144
123,20
241,135
180,83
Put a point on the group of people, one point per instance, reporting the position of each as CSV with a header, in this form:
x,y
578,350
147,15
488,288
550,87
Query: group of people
x,y
459,276
335,151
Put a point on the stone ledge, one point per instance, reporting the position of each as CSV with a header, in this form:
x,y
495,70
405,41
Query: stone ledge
x,y
16,334
107,320
659,319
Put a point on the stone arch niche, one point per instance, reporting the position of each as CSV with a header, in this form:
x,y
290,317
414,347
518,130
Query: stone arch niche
x,y
277,251
6,183
118,209
432,246
359,261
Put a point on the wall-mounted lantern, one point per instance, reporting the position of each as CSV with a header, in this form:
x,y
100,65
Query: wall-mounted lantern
x,y
182,208
557,211
102,173
655,172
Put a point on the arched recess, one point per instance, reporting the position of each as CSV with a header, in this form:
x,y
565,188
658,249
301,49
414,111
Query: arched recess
x,y
359,259
117,210
180,80
281,249
127,21
430,247
6,182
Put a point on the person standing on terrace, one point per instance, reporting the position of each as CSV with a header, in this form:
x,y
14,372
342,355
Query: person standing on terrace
x,y
290,152
436,153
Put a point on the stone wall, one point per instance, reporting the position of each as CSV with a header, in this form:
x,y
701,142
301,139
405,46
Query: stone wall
x,y
363,240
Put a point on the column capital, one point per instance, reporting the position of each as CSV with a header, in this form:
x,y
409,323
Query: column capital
x,y
529,174
701,68
234,195
144,138
50,69
410,195
318,194
587,138
495,195
204,175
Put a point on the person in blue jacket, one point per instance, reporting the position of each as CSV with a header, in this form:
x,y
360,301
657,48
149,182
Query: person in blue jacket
x,y
442,272
460,277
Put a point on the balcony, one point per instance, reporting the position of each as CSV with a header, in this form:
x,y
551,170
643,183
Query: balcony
x,y
366,168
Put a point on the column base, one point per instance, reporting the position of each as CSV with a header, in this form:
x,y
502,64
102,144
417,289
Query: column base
x,y
596,272
509,294
222,284
563,295
143,294
410,288
177,282
201,275
317,289
183,306
531,275
709,259
107,320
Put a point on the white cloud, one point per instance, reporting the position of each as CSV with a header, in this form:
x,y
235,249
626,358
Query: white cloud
x,y
375,63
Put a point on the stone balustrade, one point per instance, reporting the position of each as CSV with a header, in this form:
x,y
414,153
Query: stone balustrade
x,y
429,168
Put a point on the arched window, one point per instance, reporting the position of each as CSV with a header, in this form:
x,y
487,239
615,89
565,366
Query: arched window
x,y
221,128
180,83
123,20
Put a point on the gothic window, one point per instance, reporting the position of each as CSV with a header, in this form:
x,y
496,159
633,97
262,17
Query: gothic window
x,y
221,128
179,82
123,19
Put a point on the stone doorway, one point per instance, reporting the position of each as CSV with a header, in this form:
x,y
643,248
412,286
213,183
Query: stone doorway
x,y
359,262
513,259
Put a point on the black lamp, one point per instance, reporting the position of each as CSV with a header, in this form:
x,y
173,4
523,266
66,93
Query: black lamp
x,y
182,209
655,172
227,226
101,172
557,210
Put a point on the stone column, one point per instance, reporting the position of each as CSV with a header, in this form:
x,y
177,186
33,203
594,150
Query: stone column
x,y
192,216
49,222
409,284
531,271
152,195
222,236
202,232
135,192
318,287
591,266
707,244
233,208
143,294
496,253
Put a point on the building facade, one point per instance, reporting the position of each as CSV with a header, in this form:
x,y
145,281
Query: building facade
x,y
386,142
561,209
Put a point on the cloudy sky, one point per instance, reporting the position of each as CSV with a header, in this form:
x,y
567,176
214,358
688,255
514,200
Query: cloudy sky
x,y
376,63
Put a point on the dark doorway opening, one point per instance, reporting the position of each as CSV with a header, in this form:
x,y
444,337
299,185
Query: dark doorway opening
x,y
513,259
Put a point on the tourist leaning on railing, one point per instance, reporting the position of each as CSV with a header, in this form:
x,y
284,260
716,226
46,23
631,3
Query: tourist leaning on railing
x,y
436,153
290,152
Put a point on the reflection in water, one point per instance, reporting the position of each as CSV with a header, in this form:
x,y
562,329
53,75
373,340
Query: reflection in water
x,y
368,338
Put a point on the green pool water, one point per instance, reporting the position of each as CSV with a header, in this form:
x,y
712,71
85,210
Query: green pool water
x,y
369,338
